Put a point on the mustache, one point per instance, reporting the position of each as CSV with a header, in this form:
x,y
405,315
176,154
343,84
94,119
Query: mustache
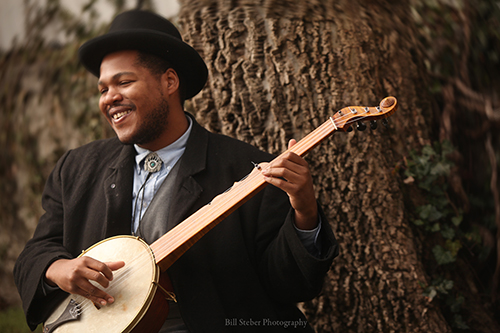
x,y
123,105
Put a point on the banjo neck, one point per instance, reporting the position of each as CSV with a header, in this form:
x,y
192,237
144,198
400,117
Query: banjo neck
x,y
168,248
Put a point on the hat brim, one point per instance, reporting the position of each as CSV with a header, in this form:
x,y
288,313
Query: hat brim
x,y
189,65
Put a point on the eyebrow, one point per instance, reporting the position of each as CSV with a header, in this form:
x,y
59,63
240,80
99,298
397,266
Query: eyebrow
x,y
116,77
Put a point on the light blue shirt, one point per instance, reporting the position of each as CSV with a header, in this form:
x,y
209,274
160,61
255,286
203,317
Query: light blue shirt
x,y
141,198
143,194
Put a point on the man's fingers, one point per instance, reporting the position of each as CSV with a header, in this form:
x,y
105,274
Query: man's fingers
x,y
95,294
74,276
95,270
112,266
289,170
115,265
102,272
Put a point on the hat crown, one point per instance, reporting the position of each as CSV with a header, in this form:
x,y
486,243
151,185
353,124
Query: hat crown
x,y
143,20
149,33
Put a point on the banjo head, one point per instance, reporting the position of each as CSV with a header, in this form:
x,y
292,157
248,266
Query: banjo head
x,y
133,288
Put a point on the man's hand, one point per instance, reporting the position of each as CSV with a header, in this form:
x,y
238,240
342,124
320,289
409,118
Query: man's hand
x,y
74,276
291,174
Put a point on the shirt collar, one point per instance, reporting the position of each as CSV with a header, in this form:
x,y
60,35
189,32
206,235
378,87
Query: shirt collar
x,y
167,154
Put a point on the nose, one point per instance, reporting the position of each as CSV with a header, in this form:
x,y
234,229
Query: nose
x,y
111,96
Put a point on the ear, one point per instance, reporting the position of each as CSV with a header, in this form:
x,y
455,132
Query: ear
x,y
170,81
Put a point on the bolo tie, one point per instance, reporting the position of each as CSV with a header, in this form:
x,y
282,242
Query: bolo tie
x,y
152,164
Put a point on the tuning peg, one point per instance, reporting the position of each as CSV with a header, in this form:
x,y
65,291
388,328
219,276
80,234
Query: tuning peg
x,y
361,126
385,122
373,124
349,129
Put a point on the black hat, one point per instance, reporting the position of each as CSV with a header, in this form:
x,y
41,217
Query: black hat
x,y
149,33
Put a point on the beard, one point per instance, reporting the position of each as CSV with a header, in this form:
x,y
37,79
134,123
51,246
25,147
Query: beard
x,y
153,125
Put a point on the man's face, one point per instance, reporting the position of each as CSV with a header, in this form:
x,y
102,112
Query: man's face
x,y
132,100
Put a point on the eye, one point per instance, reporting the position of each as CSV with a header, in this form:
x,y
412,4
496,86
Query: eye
x,y
125,82
103,91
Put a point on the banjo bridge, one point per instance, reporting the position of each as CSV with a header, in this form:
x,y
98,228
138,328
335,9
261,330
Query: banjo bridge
x,y
72,312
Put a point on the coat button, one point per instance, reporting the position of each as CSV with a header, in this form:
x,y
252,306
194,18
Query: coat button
x,y
113,186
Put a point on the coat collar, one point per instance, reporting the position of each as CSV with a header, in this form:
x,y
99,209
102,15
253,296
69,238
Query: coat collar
x,y
194,159
192,162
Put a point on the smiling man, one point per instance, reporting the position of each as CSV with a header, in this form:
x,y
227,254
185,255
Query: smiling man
x,y
137,102
163,166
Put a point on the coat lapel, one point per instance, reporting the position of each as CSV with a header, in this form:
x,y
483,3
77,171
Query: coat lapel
x,y
118,186
188,190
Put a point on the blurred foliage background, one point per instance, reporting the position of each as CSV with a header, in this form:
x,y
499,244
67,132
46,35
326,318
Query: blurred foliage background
x,y
48,104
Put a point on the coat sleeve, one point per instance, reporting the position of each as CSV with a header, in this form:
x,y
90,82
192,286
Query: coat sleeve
x,y
286,268
42,250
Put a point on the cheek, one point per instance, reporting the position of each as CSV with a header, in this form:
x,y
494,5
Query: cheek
x,y
102,107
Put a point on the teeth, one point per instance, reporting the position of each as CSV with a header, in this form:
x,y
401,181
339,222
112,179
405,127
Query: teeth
x,y
118,115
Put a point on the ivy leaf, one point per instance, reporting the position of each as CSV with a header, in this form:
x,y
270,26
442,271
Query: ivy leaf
x,y
453,246
455,303
440,169
446,148
439,200
474,236
443,256
447,232
408,173
418,222
448,284
444,286
430,293
429,212
435,227
458,322
428,151
456,220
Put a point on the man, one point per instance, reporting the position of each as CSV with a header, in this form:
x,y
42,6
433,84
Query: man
x,y
269,254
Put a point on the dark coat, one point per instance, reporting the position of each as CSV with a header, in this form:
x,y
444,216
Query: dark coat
x,y
251,266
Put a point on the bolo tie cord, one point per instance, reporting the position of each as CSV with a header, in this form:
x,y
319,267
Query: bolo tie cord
x,y
152,164
143,189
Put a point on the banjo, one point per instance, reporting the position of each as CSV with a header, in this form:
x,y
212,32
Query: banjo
x,y
143,305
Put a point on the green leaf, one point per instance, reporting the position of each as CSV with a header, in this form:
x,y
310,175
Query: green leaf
x,y
418,222
447,284
458,322
456,220
446,148
443,256
430,292
409,173
447,232
442,285
440,169
453,246
429,212
428,151
455,303
426,184
474,236
439,200
435,227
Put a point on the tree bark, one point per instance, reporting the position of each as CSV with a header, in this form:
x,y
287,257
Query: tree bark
x,y
278,69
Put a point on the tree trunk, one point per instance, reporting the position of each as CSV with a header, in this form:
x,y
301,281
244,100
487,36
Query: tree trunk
x,y
278,69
